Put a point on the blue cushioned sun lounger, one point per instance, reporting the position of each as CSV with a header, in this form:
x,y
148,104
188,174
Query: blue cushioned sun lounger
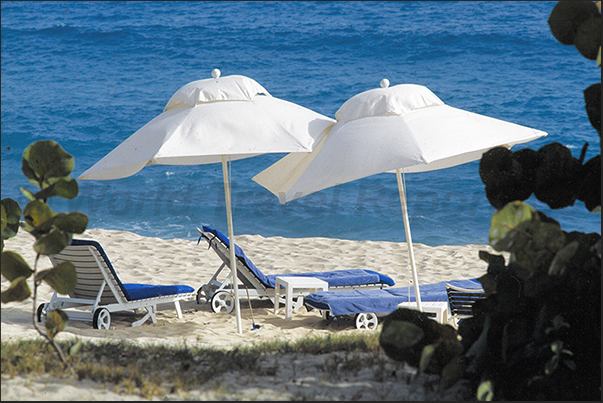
x,y
99,291
259,284
384,301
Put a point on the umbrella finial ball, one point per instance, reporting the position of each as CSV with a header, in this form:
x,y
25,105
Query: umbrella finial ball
x,y
215,73
384,83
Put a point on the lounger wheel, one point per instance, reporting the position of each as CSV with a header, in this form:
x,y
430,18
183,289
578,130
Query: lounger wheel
x,y
222,302
41,313
367,321
101,319
199,295
326,315
206,291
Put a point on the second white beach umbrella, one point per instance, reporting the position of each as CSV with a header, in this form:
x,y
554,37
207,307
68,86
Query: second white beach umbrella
x,y
400,129
216,120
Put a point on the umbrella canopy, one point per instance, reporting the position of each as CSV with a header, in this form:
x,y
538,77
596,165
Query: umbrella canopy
x,y
400,129
216,120
205,119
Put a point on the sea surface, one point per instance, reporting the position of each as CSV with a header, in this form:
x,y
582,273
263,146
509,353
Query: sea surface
x,y
90,74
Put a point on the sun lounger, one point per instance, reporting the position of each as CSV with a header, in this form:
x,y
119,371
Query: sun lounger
x,y
99,291
368,305
219,290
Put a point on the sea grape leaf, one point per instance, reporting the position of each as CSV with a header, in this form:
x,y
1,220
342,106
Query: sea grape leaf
x,y
426,356
62,278
28,194
52,243
402,334
567,16
63,188
485,391
13,213
508,226
17,291
14,266
44,162
451,373
56,320
488,282
66,189
562,258
74,223
588,38
37,213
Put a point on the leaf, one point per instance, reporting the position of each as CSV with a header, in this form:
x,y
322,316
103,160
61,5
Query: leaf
x,y
551,365
426,355
28,194
491,258
547,236
17,291
14,266
488,282
63,188
12,214
66,189
562,258
62,278
570,364
75,348
46,161
71,222
52,243
485,391
37,213
508,225
56,320
451,373
402,334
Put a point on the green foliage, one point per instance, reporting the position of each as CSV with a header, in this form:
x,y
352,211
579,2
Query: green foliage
x,y
46,165
11,214
537,335
411,336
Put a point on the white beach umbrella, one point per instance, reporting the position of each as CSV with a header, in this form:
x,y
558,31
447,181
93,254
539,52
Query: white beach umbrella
x,y
400,129
215,121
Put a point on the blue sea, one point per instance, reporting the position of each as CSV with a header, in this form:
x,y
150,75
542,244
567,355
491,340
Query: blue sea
x,y
89,74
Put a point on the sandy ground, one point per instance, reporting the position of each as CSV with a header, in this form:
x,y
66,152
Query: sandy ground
x,y
148,260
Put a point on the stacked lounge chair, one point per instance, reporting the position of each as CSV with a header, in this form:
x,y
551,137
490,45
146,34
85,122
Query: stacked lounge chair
x,y
367,305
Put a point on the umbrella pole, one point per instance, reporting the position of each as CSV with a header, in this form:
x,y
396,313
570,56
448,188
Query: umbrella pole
x,y
233,262
411,253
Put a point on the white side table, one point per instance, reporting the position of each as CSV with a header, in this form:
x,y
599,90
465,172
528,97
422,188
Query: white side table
x,y
296,287
439,308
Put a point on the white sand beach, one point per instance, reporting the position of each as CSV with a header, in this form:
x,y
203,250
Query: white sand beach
x,y
139,259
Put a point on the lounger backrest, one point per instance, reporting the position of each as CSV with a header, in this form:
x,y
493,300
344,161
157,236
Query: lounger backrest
x,y
92,266
461,300
248,274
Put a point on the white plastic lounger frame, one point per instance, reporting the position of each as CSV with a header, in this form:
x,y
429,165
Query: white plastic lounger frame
x,y
99,292
220,293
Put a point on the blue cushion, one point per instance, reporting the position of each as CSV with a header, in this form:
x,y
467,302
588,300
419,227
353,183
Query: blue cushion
x,y
335,278
142,291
